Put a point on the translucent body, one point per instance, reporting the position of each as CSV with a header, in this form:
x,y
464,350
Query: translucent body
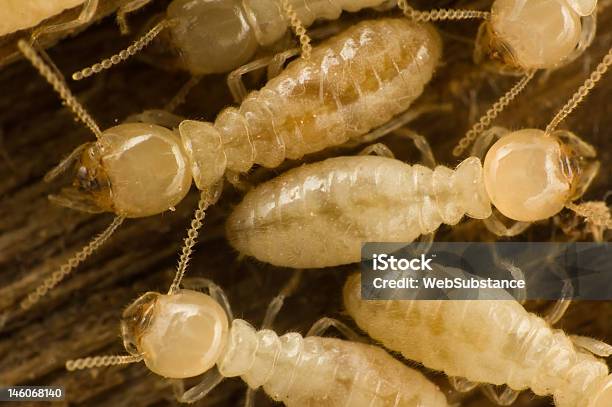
x,y
353,82
136,170
316,371
17,15
496,342
215,36
539,33
186,333
535,167
319,215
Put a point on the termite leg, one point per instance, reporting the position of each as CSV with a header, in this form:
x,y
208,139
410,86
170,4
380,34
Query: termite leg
x,y
210,380
517,274
596,347
424,243
504,398
398,122
277,64
495,225
127,9
180,96
278,301
156,116
421,144
216,292
234,79
323,324
561,305
461,384
378,149
87,13
249,400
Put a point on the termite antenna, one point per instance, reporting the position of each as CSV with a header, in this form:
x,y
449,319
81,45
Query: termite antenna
x,y
67,268
123,55
58,83
581,93
87,13
127,9
207,198
491,114
101,361
298,28
595,212
441,14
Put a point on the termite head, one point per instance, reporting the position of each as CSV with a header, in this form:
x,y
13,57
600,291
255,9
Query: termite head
x,y
536,34
178,335
531,176
134,170
212,36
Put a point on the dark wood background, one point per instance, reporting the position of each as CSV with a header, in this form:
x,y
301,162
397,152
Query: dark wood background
x,y
81,317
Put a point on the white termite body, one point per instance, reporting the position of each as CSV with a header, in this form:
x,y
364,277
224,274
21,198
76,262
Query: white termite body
x,y
490,341
217,36
186,334
319,215
17,15
354,82
323,371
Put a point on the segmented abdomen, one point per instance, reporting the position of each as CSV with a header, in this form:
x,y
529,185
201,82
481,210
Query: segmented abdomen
x,y
489,341
352,83
317,371
320,214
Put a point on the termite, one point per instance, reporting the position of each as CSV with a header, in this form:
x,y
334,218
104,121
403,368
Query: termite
x,y
354,82
218,36
488,341
318,215
520,37
186,333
